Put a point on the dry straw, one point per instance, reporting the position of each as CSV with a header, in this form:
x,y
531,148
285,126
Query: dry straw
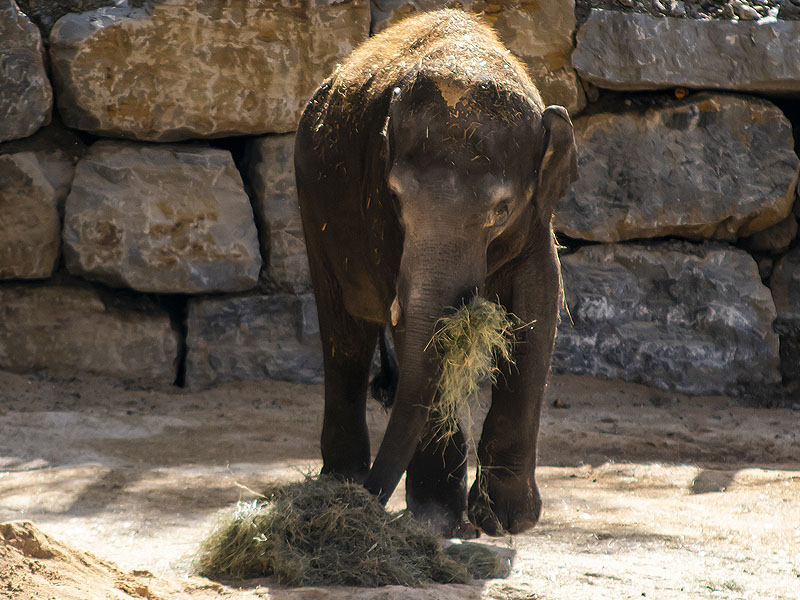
x,y
469,342
323,531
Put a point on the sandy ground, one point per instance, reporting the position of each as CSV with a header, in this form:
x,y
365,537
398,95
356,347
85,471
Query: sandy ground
x,y
646,494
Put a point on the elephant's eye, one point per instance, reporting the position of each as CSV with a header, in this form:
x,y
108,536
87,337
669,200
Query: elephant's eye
x,y
499,214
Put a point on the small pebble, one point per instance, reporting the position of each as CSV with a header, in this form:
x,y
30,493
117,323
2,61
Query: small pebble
x,y
626,2
744,12
677,9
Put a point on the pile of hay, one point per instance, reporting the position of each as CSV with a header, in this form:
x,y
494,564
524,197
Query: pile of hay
x,y
323,531
469,342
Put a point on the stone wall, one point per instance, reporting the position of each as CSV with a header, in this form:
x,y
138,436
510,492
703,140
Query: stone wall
x,y
149,228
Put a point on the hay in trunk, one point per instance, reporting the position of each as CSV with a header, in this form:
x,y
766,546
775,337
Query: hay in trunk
x,y
323,531
469,342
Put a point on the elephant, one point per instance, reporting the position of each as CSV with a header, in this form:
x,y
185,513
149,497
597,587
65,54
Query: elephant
x,y
428,170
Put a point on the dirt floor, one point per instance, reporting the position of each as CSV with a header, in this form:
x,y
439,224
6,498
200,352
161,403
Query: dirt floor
x,y
646,494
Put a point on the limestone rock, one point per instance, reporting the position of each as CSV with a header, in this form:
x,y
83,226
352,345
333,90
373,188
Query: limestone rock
x,y
680,317
710,166
70,328
636,51
30,227
177,70
774,239
252,337
785,286
26,98
57,150
271,175
163,219
35,178
538,33
45,13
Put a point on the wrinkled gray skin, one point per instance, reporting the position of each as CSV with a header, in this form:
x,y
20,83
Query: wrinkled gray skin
x,y
418,186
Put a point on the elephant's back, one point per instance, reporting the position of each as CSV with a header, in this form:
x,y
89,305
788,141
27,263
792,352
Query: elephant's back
x,y
445,45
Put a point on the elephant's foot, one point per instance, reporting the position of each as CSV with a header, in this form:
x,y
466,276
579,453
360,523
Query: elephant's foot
x,y
442,520
508,504
346,472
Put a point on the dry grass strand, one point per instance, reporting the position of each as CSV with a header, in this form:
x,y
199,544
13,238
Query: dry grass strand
x,y
470,341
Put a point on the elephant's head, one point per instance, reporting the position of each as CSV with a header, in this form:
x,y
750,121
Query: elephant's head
x,y
473,174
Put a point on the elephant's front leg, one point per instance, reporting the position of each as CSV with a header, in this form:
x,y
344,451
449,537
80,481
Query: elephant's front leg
x,y
436,483
504,496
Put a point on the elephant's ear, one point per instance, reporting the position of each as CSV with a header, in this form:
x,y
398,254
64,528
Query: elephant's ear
x,y
559,166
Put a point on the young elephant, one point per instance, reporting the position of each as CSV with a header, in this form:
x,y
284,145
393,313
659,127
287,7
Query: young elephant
x,y
427,169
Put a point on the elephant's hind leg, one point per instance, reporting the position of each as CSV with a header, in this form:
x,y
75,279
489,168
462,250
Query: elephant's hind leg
x,y
348,344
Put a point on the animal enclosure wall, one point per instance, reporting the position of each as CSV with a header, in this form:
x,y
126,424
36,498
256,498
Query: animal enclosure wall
x,y
149,228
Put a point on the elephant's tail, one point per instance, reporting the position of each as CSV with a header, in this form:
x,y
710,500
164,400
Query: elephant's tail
x,y
384,382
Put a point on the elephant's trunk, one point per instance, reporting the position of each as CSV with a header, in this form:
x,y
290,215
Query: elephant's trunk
x,y
423,300
415,393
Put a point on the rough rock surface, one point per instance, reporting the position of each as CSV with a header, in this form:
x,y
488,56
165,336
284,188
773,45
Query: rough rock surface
x,y
710,166
58,150
30,227
179,70
640,52
164,219
692,9
26,98
69,327
538,33
45,13
283,247
252,337
774,239
785,286
680,317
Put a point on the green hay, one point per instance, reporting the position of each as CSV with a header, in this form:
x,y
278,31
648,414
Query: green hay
x,y
469,342
322,531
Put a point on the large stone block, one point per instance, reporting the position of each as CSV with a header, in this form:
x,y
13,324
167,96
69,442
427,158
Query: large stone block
x,y
636,51
775,239
30,209
163,219
272,181
57,150
680,317
45,13
71,328
711,166
176,70
30,226
252,337
538,33
26,98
